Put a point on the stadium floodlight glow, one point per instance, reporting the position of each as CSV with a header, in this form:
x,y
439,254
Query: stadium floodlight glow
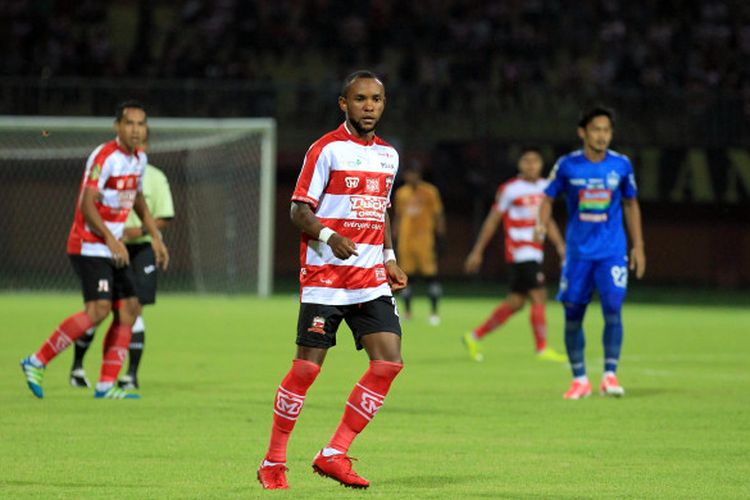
x,y
222,173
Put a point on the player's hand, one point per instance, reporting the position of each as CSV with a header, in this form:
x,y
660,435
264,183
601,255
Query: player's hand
x,y
638,261
161,254
561,252
396,276
540,232
119,253
342,247
473,262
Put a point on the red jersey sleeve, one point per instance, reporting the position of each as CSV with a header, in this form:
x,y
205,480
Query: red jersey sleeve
x,y
314,176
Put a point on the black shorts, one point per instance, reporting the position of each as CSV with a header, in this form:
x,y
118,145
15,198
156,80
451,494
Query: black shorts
x,y
101,280
143,262
318,323
526,276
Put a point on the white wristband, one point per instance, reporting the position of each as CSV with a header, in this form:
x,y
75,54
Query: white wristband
x,y
388,255
325,234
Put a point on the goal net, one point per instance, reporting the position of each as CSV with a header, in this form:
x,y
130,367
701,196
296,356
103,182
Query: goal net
x,y
221,173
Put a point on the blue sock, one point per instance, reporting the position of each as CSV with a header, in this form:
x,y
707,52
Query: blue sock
x,y
574,339
612,339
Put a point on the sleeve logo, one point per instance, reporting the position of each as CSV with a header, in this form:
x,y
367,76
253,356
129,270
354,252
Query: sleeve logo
x,y
96,172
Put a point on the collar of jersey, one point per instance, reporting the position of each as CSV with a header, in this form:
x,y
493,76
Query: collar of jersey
x,y
125,151
345,128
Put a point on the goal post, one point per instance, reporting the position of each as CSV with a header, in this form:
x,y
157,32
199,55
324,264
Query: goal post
x,y
223,178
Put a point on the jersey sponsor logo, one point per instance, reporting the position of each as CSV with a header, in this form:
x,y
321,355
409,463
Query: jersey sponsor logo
x,y
369,207
613,180
351,182
363,225
594,199
388,182
388,165
380,274
318,325
103,286
619,276
592,217
577,182
373,185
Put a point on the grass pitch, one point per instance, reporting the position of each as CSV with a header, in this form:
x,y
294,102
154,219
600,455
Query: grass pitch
x,y
450,427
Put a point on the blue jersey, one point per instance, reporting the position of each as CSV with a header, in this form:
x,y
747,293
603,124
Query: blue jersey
x,y
594,193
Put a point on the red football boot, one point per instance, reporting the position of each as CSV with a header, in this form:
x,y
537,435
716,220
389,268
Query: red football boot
x,y
339,468
273,477
578,390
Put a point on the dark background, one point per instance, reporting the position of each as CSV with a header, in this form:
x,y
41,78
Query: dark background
x,y
468,83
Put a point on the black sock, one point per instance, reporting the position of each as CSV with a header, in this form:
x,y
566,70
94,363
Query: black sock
x,y
406,295
434,290
81,346
135,351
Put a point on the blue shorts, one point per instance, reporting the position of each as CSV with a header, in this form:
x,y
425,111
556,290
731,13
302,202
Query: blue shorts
x,y
579,278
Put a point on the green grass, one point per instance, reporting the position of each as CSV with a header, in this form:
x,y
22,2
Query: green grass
x,y
450,428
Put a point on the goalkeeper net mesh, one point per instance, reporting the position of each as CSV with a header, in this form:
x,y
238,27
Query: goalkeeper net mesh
x,y
221,174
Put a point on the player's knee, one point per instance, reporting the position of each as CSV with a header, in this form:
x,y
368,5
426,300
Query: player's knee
x,y
127,311
435,289
386,369
306,370
574,312
98,310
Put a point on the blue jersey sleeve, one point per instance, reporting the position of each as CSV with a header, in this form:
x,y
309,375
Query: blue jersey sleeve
x,y
556,180
628,187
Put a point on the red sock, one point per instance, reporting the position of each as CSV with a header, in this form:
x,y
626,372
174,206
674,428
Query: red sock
x,y
539,326
364,402
499,316
115,350
64,335
288,404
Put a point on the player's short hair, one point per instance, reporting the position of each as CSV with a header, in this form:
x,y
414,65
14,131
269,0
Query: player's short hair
x,y
353,77
130,103
530,148
589,114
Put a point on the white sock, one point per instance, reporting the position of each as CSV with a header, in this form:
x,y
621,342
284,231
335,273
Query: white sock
x,y
35,361
104,386
582,378
329,452
139,326
266,463
608,373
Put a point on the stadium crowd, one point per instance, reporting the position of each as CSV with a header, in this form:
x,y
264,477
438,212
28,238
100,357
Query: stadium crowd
x,y
502,45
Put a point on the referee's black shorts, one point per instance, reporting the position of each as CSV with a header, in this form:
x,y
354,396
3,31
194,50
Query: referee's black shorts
x,y
143,262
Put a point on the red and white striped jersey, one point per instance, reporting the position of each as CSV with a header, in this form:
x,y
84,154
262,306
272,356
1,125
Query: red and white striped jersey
x,y
117,175
519,200
347,182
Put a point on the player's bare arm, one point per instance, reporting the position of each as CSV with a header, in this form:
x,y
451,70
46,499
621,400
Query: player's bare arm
x,y
396,276
555,237
632,210
543,219
131,233
160,249
305,220
489,226
94,220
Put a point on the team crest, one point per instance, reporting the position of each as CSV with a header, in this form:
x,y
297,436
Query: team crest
x,y
380,274
613,180
318,325
373,185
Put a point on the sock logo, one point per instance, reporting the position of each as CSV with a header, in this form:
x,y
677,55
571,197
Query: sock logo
x,y
370,404
61,342
288,404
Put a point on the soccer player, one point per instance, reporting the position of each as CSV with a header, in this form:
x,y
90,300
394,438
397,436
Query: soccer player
x,y
419,224
347,264
143,261
111,186
599,187
516,206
